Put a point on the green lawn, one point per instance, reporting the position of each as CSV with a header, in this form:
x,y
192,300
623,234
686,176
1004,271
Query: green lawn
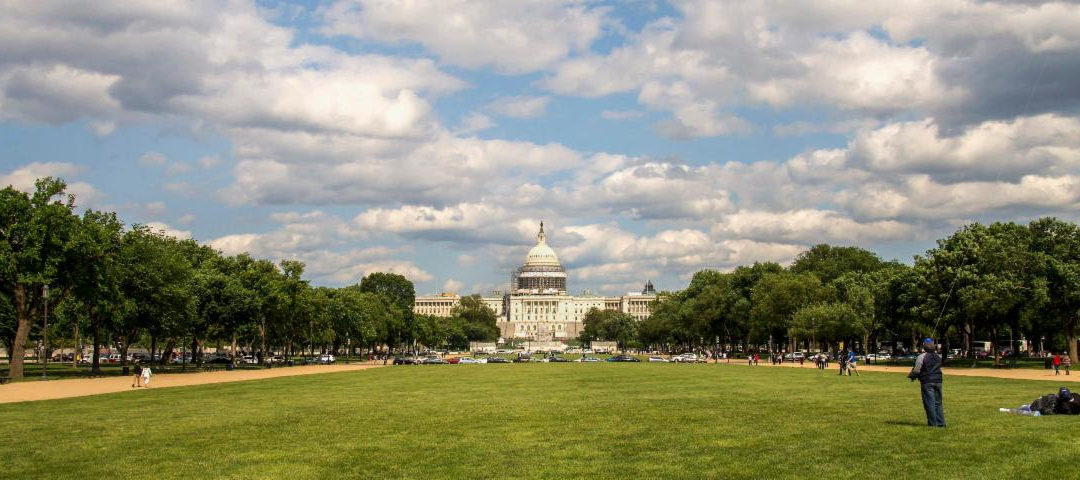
x,y
544,421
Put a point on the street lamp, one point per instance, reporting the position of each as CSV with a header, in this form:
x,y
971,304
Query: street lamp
x,y
45,345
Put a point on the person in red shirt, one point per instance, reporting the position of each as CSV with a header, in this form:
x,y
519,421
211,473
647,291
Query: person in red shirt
x,y
1057,364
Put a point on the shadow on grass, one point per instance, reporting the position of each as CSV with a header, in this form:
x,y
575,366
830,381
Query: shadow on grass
x,y
904,423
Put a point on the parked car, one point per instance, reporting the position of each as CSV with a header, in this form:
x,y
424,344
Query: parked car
x,y
219,361
685,358
404,361
522,359
249,360
434,360
589,360
623,358
497,360
464,360
655,359
557,359
877,357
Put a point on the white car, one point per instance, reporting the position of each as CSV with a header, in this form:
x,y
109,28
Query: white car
x,y
326,359
655,358
685,358
588,360
467,361
878,357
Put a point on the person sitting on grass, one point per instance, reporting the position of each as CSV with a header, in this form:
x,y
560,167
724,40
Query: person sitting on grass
x,y
1064,403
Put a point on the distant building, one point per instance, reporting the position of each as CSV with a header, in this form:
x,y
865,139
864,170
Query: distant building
x,y
537,306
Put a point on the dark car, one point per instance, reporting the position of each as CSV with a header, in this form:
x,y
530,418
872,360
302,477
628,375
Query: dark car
x,y
557,359
497,360
623,358
522,359
219,361
404,361
434,360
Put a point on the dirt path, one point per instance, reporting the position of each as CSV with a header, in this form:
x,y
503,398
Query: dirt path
x,y
30,391
1017,373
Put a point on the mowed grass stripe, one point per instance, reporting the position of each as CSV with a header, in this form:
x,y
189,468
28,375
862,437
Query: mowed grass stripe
x,y
543,421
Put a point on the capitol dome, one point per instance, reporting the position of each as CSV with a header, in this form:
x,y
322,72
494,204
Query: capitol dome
x,y
541,273
542,254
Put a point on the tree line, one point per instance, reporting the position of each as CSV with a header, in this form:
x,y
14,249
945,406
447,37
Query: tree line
x,y
117,286
999,282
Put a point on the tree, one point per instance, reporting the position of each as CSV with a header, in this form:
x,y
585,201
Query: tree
x,y
97,275
478,319
1056,257
776,297
828,262
401,293
35,251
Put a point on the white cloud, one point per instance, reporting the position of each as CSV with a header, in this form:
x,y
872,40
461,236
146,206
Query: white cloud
x,y
23,178
186,219
807,226
177,168
520,106
473,123
514,37
167,230
454,286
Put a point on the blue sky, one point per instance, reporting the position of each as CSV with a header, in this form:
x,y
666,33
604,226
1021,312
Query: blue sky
x,y
653,138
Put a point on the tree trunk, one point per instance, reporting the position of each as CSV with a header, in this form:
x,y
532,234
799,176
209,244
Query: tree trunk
x,y
1070,336
233,352
195,358
262,339
153,347
77,347
993,345
23,317
95,363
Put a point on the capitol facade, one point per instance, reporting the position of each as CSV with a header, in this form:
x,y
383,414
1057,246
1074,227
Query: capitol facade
x,y
536,306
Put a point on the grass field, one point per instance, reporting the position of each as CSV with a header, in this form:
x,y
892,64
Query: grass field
x,y
544,421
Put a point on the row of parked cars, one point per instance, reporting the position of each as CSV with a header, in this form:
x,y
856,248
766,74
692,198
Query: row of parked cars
x,y
585,358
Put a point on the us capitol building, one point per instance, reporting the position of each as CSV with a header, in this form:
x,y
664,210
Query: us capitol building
x,y
537,307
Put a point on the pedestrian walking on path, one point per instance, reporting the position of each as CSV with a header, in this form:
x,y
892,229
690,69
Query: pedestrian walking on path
x,y
1066,362
137,381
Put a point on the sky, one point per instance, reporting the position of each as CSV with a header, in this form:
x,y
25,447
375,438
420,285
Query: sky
x,y
653,138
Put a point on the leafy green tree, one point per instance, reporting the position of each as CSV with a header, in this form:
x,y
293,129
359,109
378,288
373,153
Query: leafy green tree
x,y
401,293
776,298
97,275
35,250
829,262
478,319
1055,246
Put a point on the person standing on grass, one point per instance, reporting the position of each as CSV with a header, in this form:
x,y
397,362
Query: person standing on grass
x,y
137,381
146,376
1066,362
1057,364
842,360
928,370
853,364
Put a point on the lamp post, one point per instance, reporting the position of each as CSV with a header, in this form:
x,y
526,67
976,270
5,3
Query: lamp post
x,y
45,345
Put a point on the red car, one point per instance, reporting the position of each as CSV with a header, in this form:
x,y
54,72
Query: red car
x,y
454,360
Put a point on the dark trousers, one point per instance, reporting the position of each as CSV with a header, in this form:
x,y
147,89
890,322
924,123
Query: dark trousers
x,y
931,401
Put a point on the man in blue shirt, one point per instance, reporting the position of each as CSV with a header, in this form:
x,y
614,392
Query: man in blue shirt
x,y
928,370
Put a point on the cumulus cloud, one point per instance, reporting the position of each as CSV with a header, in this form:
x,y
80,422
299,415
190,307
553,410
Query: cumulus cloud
x,y
23,178
520,106
167,230
513,37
